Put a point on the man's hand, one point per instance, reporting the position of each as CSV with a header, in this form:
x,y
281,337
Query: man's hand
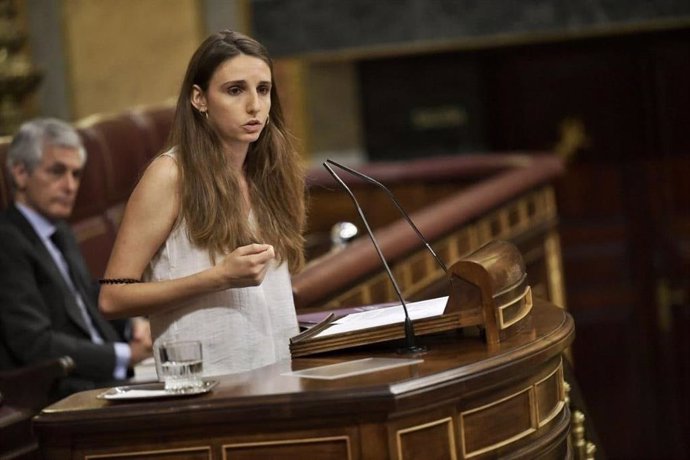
x,y
141,329
141,345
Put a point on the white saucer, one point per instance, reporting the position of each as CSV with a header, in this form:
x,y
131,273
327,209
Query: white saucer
x,y
152,391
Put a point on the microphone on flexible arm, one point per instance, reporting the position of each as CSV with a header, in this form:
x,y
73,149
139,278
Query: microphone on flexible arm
x,y
397,205
410,339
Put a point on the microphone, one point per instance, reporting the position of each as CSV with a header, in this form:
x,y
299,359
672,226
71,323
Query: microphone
x,y
397,205
410,339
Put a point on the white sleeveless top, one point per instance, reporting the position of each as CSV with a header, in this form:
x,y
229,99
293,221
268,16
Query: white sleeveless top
x,y
241,328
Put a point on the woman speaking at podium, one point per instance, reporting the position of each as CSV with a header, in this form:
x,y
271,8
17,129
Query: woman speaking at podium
x,y
214,227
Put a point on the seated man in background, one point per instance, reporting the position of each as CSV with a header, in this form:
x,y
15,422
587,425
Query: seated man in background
x,y
48,300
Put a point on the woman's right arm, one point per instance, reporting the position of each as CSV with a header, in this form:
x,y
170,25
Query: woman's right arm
x,y
148,219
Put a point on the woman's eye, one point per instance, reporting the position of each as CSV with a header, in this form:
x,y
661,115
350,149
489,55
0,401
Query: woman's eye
x,y
234,90
264,90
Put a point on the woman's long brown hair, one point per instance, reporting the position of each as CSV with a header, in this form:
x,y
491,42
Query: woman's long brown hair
x,y
210,197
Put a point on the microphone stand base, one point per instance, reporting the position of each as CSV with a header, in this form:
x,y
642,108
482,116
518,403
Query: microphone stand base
x,y
411,350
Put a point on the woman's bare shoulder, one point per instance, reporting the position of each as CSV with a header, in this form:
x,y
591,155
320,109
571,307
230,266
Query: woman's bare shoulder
x,y
162,170
155,198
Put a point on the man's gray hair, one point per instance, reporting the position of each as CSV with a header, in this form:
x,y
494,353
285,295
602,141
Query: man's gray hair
x,y
34,136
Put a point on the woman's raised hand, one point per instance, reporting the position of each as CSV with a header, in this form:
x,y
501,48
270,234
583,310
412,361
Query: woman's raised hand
x,y
246,265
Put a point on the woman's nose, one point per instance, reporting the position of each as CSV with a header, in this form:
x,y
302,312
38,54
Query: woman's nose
x,y
253,103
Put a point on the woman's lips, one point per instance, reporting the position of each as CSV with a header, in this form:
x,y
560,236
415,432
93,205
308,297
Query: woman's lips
x,y
252,126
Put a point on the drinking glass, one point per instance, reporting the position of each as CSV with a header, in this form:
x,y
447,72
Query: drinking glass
x,y
181,365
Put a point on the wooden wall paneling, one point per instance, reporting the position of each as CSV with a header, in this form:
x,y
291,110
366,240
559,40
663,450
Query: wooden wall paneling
x,y
670,72
435,108
618,205
620,105
670,261
672,213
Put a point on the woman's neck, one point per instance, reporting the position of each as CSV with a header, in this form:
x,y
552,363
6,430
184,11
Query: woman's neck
x,y
236,154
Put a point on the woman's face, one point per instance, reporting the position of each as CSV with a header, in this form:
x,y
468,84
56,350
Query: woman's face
x,y
238,99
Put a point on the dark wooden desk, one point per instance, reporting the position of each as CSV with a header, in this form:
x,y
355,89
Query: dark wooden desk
x,y
463,401
23,393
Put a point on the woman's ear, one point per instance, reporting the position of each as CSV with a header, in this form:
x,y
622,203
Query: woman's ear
x,y
198,98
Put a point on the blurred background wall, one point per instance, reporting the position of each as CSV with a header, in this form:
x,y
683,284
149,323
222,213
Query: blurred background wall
x,y
104,39
105,56
602,83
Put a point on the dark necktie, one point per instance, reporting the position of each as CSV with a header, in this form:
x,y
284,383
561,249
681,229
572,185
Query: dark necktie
x,y
59,239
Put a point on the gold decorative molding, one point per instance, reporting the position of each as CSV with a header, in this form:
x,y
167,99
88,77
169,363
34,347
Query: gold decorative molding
x,y
18,76
473,447
185,453
450,431
573,138
554,268
549,390
227,447
440,117
582,448
512,312
557,381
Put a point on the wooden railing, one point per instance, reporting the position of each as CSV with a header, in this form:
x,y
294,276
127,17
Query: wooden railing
x,y
497,196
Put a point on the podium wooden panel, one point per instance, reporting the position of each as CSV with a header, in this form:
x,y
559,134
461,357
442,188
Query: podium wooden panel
x,y
488,289
466,400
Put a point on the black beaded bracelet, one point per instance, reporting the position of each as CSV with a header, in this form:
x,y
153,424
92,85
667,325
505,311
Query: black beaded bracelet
x,y
118,281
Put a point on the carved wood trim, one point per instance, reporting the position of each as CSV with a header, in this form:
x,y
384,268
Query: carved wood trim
x,y
226,448
185,451
448,421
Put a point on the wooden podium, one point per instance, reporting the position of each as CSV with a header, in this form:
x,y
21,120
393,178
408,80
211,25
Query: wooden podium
x,y
488,289
464,400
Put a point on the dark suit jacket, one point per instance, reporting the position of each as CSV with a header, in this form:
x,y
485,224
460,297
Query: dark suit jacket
x,y
39,316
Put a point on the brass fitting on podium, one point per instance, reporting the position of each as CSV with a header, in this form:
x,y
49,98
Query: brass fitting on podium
x,y
583,449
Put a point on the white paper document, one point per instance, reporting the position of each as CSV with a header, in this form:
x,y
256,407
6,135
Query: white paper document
x,y
387,315
352,368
